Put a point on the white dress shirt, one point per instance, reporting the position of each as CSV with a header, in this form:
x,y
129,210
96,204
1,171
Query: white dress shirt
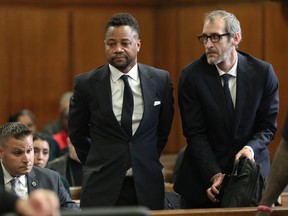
x,y
21,187
117,89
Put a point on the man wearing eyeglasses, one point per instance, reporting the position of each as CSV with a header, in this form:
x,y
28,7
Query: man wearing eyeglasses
x,y
223,117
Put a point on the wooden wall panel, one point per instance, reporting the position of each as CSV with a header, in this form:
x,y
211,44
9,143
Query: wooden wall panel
x,y
33,61
276,25
88,36
167,37
44,44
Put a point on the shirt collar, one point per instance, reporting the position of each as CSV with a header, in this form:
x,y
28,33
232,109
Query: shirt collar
x,y
232,71
116,74
8,177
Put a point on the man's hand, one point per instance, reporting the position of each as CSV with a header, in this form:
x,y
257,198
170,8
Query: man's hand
x,y
213,191
245,152
41,202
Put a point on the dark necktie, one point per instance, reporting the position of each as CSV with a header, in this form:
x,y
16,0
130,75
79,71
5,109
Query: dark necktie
x,y
14,182
228,98
128,106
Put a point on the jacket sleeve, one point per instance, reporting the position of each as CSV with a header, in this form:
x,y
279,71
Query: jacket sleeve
x,y
166,114
78,122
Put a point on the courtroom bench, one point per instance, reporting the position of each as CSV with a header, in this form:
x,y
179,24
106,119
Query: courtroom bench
x,y
243,211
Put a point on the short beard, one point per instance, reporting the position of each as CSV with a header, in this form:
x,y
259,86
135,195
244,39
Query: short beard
x,y
219,59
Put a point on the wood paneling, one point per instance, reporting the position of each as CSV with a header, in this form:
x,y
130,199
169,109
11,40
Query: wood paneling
x,y
167,37
275,45
33,61
44,44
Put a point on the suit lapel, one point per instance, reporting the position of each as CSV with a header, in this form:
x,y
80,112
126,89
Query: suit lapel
x,y
242,88
2,184
101,87
32,182
148,88
213,81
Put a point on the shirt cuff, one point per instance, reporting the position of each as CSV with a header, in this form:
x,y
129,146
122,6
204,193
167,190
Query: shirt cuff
x,y
250,149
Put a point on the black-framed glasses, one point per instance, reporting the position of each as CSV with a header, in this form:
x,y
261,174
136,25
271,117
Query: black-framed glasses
x,y
213,37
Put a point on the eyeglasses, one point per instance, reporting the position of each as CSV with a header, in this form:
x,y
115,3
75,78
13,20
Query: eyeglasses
x,y
213,37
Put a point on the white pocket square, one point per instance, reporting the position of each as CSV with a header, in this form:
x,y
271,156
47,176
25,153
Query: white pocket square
x,y
156,103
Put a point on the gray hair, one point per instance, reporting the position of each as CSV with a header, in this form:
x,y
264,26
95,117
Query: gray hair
x,y
232,23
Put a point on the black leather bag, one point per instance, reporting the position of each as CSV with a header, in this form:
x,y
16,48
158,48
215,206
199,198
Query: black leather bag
x,y
243,187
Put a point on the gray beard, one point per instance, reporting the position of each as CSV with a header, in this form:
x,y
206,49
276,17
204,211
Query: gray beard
x,y
218,60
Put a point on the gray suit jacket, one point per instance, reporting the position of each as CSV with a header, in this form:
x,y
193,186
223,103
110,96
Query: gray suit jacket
x,y
104,148
46,179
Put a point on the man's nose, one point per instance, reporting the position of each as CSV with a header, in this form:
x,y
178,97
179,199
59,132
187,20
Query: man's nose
x,y
118,47
26,157
209,43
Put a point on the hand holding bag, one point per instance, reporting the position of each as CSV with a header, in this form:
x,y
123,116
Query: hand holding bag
x,y
243,187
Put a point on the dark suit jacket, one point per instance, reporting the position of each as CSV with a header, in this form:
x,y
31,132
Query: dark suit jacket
x,y
62,165
59,165
212,141
7,201
46,179
104,148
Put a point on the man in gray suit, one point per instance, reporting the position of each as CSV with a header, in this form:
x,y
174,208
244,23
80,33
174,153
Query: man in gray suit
x,y
222,124
17,173
121,165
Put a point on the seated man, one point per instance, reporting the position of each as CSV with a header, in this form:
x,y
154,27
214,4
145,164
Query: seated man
x,y
17,173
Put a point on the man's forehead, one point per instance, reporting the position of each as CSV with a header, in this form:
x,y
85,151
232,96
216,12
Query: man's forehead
x,y
20,143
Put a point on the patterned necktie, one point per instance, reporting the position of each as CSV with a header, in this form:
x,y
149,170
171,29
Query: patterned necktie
x,y
228,98
14,182
128,106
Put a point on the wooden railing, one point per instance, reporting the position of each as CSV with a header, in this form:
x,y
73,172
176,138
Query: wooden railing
x,y
245,211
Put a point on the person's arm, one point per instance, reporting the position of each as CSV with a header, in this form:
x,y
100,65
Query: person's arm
x,y
78,122
265,122
195,125
166,114
64,198
278,177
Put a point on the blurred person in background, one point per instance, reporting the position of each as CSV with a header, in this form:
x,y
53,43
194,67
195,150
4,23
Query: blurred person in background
x,y
56,126
68,165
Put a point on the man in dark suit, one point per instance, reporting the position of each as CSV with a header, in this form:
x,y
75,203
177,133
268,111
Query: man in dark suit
x,y
220,128
17,173
121,165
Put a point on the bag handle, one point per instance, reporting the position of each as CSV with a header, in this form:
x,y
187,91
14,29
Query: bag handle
x,y
236,165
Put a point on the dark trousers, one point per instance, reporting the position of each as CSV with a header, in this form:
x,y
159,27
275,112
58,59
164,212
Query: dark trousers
x,y
127,195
